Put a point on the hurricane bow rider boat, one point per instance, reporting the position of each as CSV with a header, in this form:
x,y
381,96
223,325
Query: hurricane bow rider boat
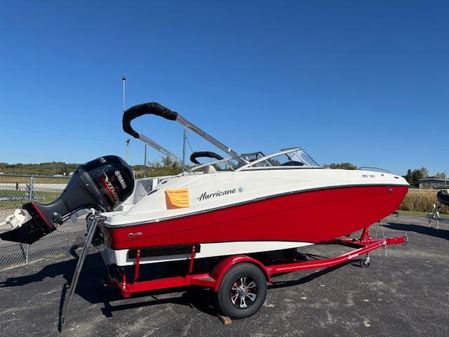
x,y
235,207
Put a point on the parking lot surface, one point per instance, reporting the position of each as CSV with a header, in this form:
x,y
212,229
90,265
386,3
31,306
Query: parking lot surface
x,y
405,293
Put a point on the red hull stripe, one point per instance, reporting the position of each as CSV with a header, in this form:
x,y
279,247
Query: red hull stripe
x,y
311,216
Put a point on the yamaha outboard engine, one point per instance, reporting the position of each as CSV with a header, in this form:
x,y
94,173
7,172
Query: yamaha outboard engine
x,y
103,184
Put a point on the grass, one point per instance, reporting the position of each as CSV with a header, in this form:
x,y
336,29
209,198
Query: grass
x,y
421,214
12,179
421,201
21,197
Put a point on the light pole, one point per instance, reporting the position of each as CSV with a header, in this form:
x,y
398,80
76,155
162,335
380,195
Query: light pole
x,y
123,93
126,149
145,161
123,110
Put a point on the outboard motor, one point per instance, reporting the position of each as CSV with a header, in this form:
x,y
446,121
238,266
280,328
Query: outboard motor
x,y
103,184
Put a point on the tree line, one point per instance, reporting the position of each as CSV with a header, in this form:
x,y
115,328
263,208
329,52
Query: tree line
x,y
48,168
413,176
166,167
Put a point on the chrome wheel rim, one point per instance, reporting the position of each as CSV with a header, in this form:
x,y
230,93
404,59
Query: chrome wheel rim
x,y
243,292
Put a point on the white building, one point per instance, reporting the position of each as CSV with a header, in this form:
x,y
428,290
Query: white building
x,y
433,183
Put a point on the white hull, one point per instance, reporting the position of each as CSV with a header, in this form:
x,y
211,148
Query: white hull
x,y
120,257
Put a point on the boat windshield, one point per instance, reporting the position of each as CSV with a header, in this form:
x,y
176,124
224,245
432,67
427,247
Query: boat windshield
x,y
295,157
227,164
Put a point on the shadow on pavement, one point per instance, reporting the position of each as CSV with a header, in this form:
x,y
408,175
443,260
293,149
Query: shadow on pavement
x,y
90,286
92,289
200,299
64,268
420,229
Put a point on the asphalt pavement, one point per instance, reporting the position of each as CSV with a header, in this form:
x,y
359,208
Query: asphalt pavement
x,y
405,293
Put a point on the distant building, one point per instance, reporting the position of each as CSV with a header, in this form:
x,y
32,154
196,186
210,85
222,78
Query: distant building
x,y
433,183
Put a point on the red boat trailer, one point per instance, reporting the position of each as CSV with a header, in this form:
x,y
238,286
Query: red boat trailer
x,y
240,280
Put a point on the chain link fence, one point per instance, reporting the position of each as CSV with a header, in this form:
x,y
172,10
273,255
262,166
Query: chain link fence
x,y
15,190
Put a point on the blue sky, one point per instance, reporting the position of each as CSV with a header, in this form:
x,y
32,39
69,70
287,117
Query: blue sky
x,y
359,81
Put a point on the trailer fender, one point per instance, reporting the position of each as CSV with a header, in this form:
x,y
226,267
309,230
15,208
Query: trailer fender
x,y
222,268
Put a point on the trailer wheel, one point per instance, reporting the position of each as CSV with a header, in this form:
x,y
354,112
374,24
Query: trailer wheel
x,y
242,291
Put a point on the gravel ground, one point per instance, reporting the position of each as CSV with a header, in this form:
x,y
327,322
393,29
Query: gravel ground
x,y
403,294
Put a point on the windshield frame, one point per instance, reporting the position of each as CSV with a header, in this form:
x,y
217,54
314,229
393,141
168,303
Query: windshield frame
x,y
309,162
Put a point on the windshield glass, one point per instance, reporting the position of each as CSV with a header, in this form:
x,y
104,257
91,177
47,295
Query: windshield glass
x,y
301,156
227,164
288,157
296,157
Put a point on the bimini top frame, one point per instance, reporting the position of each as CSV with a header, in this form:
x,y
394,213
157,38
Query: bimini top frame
x,y
153,108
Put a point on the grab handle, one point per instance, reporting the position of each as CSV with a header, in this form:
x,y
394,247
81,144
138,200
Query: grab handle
x,y
151,108
207,154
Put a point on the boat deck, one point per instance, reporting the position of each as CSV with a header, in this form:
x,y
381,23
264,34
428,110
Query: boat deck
x,y
403,294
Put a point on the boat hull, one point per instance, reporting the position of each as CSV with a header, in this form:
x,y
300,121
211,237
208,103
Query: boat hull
x,y
305,216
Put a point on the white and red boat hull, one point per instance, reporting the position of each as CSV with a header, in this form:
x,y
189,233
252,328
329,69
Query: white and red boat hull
x,y
312,216
284,220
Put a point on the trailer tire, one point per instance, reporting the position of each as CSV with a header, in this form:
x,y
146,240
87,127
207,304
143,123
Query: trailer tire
x,y
242,291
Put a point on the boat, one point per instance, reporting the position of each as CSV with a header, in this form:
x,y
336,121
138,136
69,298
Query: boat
x,y
443,197
247,204
236,205
241,204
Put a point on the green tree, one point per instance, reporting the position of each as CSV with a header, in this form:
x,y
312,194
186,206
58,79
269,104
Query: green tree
x,y
165,167
441,175
344,166
413,176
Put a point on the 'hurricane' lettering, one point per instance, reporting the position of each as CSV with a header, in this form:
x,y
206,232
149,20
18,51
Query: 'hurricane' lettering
x,y
206,196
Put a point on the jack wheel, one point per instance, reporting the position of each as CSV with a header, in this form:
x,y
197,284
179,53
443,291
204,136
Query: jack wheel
x,y
242,291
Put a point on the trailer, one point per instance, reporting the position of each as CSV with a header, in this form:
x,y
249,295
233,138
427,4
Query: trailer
x,y
238,281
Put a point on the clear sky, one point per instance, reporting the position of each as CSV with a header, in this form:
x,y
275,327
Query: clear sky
x,y
360,81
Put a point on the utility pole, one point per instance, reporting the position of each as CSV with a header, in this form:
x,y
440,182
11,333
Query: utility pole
x,y
123,110
126,149
124,78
